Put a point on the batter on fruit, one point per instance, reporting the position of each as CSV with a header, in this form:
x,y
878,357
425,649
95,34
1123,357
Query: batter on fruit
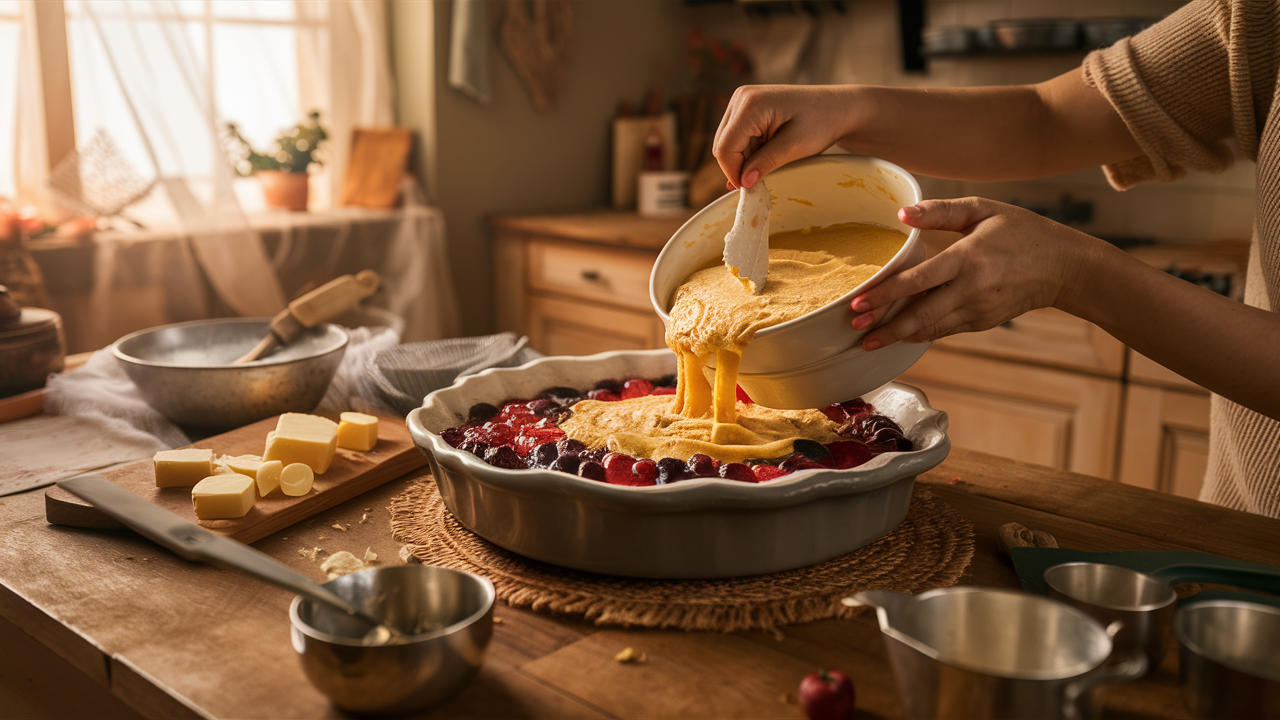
x,y
714,317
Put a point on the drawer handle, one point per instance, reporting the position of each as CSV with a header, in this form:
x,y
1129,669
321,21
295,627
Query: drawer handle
x,y
591,275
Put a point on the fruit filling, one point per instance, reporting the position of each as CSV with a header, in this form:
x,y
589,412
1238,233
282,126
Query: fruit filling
x,y
526,434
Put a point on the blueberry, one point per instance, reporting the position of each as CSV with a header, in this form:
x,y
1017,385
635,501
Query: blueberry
x,y
701,465
591,470
504,457
566,463
480,412
543,455
569,446
737,471
670,470
815,451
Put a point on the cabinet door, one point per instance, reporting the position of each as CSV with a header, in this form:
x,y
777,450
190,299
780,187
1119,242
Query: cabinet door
x,y
1058,418
1165,445
562,327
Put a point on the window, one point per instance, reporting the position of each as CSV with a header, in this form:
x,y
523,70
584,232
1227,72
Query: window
x,y
10,30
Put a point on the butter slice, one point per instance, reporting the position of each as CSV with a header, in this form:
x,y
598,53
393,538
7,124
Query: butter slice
x,y
296,479
243,464
223,496
182,468
357,431
305,439
268,477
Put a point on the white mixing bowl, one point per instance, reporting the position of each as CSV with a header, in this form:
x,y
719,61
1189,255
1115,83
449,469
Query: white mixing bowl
x,y
814,192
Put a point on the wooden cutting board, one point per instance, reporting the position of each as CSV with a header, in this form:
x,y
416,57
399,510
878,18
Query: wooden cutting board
x,y
351,474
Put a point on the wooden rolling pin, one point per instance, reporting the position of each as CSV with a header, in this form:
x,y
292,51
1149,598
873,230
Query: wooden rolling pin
x,y
327,301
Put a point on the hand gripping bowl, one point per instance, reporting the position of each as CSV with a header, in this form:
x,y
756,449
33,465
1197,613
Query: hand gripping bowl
x,y
816,359
701,528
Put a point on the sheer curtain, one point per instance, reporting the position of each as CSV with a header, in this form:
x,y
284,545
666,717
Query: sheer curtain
x,y
160,77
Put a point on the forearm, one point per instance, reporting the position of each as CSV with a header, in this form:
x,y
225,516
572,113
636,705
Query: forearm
x,y
988,133
1228,347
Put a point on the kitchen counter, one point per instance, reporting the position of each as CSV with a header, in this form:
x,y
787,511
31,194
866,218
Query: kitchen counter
x,y
108,625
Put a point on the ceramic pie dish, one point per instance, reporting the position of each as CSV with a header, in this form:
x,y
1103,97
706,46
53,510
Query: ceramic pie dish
x,y
699,528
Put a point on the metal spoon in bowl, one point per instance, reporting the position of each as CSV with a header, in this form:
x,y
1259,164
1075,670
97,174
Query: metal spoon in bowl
x,y
192,542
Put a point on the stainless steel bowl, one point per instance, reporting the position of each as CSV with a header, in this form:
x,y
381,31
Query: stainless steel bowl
x,y
454,608
699,528
1107,593
1229,659
184,371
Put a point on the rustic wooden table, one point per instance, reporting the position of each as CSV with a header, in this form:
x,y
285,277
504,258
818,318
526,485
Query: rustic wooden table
x,y
108,625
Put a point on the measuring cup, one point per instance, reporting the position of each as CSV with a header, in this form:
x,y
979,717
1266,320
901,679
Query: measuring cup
x,y
972,652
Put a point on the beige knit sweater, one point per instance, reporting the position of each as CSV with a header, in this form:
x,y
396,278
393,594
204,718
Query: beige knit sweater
x,y
1205,74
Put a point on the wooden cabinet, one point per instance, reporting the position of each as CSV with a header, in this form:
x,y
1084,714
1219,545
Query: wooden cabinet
x,y
1165,441
579,284
1066,420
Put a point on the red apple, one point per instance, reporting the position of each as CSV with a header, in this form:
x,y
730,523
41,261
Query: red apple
x,y
826,695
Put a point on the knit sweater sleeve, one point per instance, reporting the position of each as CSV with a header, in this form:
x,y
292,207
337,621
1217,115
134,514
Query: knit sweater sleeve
x,y
1184,86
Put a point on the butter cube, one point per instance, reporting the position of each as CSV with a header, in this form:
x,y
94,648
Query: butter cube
x,y
296,479
243,464
182,468
223,496
303,439
357,431
268,477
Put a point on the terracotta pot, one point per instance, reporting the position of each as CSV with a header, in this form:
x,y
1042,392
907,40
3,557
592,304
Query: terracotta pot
x,y
285,190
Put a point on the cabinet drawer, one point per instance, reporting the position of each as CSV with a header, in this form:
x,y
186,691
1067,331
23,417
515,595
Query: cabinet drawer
x,y
560,327
1046,337
612,275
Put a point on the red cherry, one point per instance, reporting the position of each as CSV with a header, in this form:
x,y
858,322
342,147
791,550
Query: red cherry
x,y
618,470
603,395
646,472
636,388
827,695
663,391
847,454
766,472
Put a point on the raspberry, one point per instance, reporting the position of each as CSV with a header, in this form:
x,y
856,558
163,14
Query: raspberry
x,y
618,468
847,454
636,388
765,472
604,395
737,471
646,472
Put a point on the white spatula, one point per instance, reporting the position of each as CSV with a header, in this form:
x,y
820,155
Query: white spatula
x,y
746,245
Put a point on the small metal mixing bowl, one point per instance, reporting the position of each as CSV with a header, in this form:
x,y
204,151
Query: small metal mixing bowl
x,y
184,371
1229,662
1143,604
453,609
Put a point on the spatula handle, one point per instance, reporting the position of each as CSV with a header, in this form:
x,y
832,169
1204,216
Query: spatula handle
x,y
334,297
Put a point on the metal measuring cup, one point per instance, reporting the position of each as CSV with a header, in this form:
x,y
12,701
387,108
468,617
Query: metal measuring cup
x,y
1142,604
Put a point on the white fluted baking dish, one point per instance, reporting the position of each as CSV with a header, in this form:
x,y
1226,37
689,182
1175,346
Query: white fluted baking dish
x,y
700,528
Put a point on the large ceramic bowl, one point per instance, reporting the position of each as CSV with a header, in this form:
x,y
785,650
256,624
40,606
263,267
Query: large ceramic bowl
x,y
702,528
814,192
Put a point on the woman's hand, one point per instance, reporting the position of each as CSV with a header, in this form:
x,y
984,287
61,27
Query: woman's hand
x,y
788,122
1009,261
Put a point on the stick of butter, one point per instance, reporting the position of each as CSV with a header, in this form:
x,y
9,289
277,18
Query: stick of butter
x,y
296,479
223,496
243,464
268,477
182,468
305,439
357,431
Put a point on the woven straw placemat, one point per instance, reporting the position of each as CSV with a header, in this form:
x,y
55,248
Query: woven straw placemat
x,y
930,549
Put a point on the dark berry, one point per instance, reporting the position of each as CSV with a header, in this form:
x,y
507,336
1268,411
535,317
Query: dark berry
x,y
481,412
665,381
670,470
836,413
566,463
847,454
646,472
592,470
504,457
452,435
543,455
545,407
815,451
593,455
475,448
561,392
613,386
737,471
799,462
569,446
700,466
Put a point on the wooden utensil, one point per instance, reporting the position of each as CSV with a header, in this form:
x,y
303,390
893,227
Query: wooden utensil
x,y
351,474
319,305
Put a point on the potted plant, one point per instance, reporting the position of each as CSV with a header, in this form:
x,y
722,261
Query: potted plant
x,y
283,173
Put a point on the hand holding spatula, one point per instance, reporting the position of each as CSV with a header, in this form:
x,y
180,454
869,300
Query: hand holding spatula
x,y
325,302
746,245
